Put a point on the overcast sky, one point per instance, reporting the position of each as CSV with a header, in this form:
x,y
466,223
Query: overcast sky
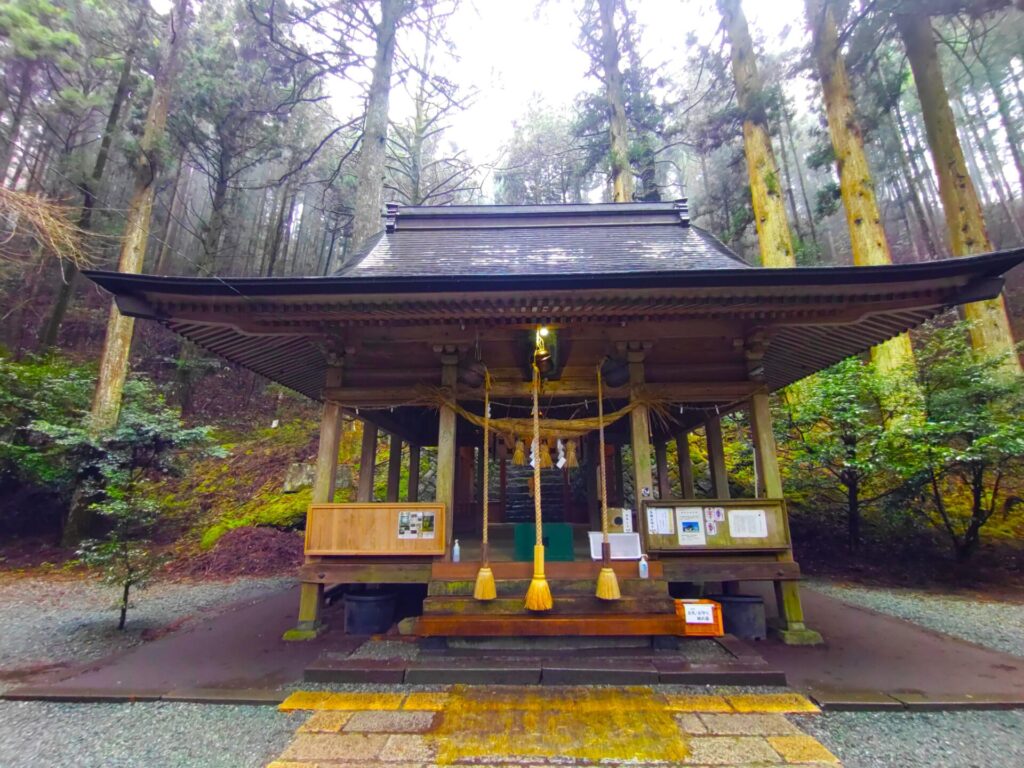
x,y
516,55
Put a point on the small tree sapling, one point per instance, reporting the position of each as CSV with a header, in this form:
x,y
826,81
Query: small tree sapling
x,y
148,439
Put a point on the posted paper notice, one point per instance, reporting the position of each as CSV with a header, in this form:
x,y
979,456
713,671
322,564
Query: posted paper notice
x,y
748,524
690,526
659,520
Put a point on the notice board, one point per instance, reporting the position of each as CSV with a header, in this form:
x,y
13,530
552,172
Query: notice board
x,y
683,525
392,528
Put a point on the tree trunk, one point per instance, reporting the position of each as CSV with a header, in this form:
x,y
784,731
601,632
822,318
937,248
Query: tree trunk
x,y
618,136
801,180
213,229
911,177
114,359
868,240
773,233
990,328
789,185
1009,124
48,337
370,164
853,512
275,242
124,605
175,212
10,144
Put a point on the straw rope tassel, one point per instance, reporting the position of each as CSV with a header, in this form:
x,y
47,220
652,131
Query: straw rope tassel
x,y
607,583
538,596
485,588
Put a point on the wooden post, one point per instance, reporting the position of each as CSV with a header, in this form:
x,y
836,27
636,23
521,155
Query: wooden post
x,y
716,458
367,462
311,596
791,628
639,430
661,461
394,467
446,422
413,492
685,465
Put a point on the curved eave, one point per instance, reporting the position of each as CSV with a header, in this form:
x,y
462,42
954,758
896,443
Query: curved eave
x,y
813,317
986,265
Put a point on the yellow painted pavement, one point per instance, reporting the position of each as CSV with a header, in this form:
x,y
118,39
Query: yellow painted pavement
x,y
509,726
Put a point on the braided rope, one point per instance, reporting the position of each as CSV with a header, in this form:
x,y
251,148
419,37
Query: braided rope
x,y
604,476
487,452
536,454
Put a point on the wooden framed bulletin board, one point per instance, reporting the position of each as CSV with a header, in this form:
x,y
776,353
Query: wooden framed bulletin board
x,y
736,525
411,528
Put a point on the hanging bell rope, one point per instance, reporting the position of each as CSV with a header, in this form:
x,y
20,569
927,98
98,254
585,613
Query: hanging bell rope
x,y
607,583
538,596
485,588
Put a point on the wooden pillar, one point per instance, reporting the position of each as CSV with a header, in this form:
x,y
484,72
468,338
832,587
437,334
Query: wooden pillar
x,y
413,492
592,477
311,595
446,445
367,462
394,467
685,465
640,431
791,627
616,483
716,458
661,461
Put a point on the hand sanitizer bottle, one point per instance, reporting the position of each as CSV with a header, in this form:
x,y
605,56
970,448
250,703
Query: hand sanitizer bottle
x,y
643,567
455,552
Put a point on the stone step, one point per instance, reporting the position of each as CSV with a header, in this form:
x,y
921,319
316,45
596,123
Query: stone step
x,y
516,587
547,625
563,605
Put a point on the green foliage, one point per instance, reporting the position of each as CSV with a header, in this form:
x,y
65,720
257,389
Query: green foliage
x,y
835,439
31,30
827,200
962,462
110,469
39,389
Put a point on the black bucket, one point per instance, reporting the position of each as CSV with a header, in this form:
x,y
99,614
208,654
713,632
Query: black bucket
x,y
369,613
742,615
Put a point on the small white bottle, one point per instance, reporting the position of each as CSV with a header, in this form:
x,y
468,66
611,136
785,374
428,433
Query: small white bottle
x,y
456,552
643,567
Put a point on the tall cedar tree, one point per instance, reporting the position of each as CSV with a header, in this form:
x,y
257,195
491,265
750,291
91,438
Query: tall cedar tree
x,y
114,358
868,241
370,163
773,231
965,221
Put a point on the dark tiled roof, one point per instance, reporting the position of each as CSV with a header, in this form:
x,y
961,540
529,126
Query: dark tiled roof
x,y
539,240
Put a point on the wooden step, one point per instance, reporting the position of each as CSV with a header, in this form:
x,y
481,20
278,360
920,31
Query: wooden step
x,y
564,605
559,587
508,569
546,625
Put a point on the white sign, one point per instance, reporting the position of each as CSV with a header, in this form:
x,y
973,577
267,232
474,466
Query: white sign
x,y
748,524
699,613
659,520
690,526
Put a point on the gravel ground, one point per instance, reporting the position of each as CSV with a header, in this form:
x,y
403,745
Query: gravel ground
x,y
921,739
994,624
36,734
55,621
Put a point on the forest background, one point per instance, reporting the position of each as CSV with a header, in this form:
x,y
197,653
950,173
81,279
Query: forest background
x,y
260,137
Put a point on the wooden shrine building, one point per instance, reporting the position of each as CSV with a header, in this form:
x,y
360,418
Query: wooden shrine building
x,y
443,307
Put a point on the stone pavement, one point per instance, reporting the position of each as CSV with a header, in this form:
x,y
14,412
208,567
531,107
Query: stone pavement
x,y
574,726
